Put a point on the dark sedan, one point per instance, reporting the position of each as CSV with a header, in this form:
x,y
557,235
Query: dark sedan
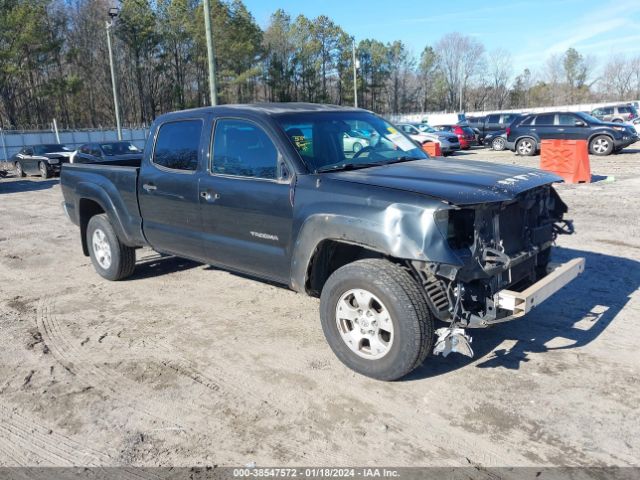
x,y
107,151
44,160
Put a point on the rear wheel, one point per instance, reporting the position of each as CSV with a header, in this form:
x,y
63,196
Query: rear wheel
x,y
526,147
601,145
44,170
20,170
498,144
375,319
110,257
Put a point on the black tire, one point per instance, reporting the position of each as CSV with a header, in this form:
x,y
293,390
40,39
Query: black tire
x,y
617,120
122,258
19,170
413,325
498,144
601,145
526,147
44,170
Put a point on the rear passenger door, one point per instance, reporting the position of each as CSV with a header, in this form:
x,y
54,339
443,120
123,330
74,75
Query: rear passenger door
x,y
246,201
168,188
544,127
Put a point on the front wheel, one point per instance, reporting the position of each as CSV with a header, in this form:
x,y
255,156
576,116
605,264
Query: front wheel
x,y
110,257
601,145
375,319
498,144
357,147
44,170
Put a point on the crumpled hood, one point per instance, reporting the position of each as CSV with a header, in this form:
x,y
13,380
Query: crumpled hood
x,y
458,182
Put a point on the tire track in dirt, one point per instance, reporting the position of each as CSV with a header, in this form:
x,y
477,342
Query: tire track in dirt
x,y
24,440
141,399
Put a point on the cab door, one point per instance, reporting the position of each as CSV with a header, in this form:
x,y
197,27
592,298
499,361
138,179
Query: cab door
x,y
168,188
246,201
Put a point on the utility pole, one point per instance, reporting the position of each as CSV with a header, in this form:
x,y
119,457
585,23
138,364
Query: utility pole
x,y
355,74
113,13
212,70
460,111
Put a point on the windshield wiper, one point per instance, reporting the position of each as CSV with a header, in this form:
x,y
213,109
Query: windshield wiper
x,y
346,166
402,159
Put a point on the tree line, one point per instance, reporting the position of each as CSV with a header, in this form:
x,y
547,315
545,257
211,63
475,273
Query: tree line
x,y
54,64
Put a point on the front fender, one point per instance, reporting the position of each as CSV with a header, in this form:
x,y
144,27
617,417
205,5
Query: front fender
x,y
399,230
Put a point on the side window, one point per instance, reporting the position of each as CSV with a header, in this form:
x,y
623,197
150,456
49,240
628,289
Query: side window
x,y
493,119
607,110
243,149
545,119
624,110
566,119
177,145
85,149
508,119
527,121
95,151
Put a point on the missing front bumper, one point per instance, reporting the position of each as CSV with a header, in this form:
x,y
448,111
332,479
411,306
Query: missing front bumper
x,y
520,303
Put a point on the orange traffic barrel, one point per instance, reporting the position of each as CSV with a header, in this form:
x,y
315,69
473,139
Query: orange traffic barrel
x,y
566,158
432,148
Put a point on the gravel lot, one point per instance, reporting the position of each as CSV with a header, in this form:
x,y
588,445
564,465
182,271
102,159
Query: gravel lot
x,y
188,365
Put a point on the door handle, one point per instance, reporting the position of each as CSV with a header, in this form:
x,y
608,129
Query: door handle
x,y
149,187
561,129
209,196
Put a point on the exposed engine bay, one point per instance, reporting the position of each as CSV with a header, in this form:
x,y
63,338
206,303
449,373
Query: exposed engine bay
x,y
502,247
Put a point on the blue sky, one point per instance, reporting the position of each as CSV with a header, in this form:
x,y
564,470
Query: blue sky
x,y
530,30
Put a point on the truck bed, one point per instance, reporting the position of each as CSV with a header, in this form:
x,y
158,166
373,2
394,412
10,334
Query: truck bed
x,y
113,186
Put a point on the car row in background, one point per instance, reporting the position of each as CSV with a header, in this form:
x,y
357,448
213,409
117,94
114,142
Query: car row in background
x,y
423,133
46,160
525,134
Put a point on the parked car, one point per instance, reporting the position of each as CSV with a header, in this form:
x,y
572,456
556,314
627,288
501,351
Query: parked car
x,y
465,135
616,113
445,119
495,122
99,151
525,135
636,125
44,160
353,141
448,141
496,140
390,240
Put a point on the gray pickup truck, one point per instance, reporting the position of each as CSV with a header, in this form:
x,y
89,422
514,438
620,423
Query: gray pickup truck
x,y
392,241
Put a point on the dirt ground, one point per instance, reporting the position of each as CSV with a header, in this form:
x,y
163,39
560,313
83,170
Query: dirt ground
x,y
188,365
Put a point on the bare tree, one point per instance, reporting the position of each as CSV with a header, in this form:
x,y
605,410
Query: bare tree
x,y
500,69
460,58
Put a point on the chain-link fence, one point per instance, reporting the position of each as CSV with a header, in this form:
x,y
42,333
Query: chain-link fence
x,y
11,141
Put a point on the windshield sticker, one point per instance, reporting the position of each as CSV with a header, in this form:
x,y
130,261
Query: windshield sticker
x,y
392,130
301,143
401,141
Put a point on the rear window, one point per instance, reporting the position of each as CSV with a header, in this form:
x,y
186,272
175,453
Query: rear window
x,y
177,145
546,119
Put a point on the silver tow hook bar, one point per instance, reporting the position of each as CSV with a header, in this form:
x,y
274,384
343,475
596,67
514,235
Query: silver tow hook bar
x,y
453,339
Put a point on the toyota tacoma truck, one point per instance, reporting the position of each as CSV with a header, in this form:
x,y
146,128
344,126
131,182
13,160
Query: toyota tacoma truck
x,y
392,241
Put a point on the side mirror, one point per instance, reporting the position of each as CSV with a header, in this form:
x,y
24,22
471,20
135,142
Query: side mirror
x,y
580,123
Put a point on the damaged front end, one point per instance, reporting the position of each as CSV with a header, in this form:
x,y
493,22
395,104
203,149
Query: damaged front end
x,y
504,269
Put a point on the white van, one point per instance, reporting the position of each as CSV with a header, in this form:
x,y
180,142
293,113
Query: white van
x,y
445,119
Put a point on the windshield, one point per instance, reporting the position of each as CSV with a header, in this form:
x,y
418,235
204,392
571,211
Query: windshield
x,y
588,118
118,148
324,141
52,148
426,128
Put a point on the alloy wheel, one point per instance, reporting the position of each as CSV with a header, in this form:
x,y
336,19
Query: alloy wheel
x,y
364,323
